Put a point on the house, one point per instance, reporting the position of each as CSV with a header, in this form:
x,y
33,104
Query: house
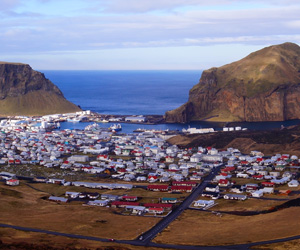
x,y
40,179
212,188
213,195
135,119
58,199
124,203
56,181
237,189
235,197
101,203
184,183
155,210
129,198
204,203
267,184
250,187
162,188
12,182
268,190
110,197
242,175
169,200
139,210
224,183
293,183
72,195
258,193
159,205
181,188
6,175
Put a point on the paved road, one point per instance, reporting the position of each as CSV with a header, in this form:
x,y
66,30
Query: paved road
x,y
162,224
149,235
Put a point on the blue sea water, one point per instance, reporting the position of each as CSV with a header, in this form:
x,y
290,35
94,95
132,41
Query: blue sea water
x,y
136,93
125,92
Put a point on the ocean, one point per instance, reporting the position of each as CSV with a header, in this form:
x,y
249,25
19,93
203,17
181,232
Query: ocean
x,y
150,92
125,92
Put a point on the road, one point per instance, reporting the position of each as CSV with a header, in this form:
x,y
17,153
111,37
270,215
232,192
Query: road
x,y
149,235
162,224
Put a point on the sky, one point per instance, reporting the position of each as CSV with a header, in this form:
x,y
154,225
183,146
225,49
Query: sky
x,y
142,34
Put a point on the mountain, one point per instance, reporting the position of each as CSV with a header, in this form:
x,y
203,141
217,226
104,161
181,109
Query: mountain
x,y
24,91
264,86
269,142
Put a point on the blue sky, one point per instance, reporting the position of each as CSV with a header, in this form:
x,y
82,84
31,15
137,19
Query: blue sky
x,y
142,34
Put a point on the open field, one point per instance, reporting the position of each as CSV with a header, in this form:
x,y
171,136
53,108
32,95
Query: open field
x,y
29,240
208,229
291,245
23,206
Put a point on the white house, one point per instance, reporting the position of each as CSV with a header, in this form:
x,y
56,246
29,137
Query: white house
x,y
258,193
293,183
204,203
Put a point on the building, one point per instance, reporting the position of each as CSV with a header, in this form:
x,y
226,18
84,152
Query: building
x,y
12,182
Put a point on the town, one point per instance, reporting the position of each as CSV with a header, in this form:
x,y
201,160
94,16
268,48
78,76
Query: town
x,y
141,160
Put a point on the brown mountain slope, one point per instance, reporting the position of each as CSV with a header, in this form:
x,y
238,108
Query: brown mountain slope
x,y
269,142
24,91
264,86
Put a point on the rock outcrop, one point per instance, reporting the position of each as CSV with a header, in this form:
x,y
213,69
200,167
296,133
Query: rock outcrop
x,y
24,91
264,86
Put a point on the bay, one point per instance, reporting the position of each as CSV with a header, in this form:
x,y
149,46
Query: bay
x,y
137,93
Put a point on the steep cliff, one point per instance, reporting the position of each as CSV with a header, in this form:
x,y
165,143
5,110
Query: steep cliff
x,y
264,86
24,91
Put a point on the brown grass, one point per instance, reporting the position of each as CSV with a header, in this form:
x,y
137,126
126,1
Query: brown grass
x,y
208,229
32,211
11,236
291,245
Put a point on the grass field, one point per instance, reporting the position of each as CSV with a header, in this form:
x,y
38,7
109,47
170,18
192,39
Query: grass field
x,y
16,237
208,229
24,206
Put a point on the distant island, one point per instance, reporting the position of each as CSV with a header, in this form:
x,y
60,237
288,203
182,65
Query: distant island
x,y
24,91
264,86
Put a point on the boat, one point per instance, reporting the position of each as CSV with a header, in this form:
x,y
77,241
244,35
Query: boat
x,y
92,127
104,121
115,127
74,120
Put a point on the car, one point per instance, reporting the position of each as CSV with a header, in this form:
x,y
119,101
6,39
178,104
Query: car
x,y
111,239
141,238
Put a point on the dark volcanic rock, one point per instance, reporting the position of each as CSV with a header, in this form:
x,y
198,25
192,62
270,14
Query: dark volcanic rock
x,y
24,91
264,86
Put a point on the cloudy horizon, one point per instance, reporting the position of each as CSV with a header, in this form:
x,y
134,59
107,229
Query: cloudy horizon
x,y
149,34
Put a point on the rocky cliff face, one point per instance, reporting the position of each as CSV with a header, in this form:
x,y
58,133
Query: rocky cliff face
x,y
24,91
264,86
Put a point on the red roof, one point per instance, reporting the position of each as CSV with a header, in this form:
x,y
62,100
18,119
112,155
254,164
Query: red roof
x,y
228,169
159,187
129,197
12,180
258,176
181,188
156,209
223,181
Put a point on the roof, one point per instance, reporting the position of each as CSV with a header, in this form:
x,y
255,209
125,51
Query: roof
x,y
125,203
